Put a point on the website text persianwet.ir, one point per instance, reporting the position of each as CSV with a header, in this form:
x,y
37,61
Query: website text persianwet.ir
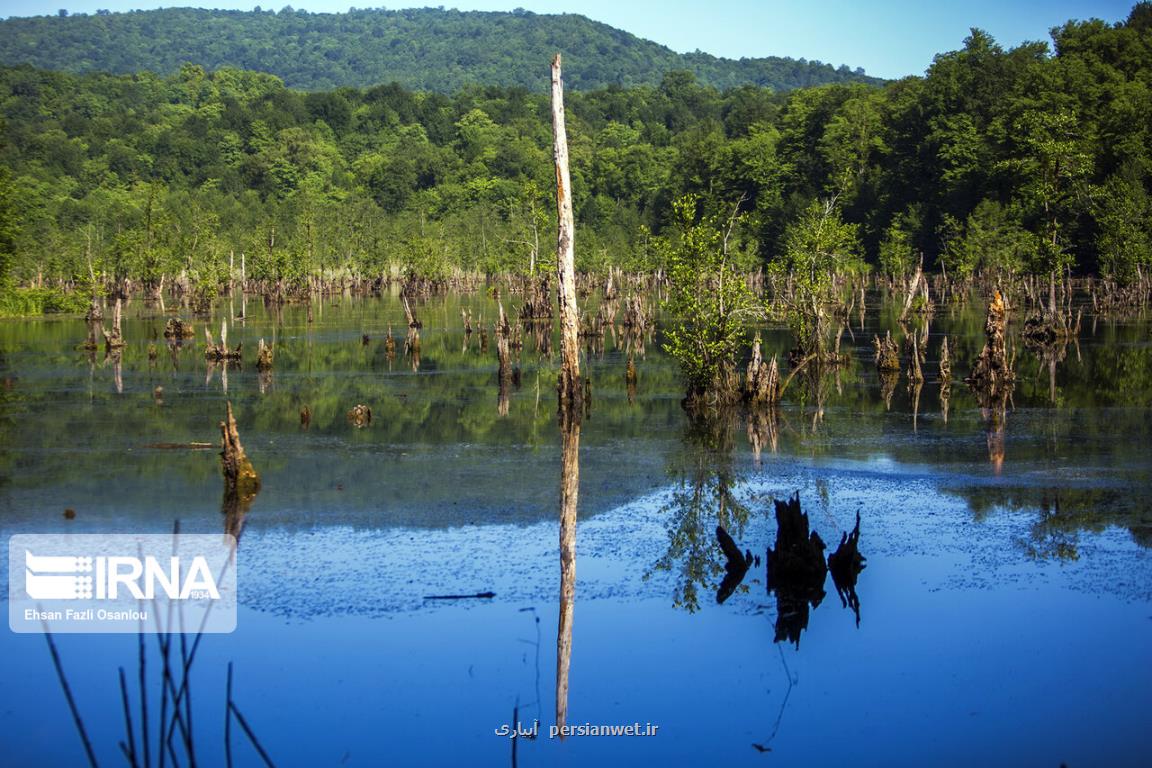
x,y
583,729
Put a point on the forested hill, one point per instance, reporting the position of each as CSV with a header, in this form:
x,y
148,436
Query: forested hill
x,y
426,49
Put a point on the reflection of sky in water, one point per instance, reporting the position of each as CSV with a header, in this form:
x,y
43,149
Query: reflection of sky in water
x,y
1005,619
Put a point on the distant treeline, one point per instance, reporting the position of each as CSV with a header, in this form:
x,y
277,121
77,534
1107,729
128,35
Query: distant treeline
x,y
1025,160
421,48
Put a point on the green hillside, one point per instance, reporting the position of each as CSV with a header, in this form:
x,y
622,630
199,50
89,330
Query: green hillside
x,y
426,49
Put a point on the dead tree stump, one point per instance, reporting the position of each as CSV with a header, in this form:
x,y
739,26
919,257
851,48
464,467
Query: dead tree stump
x,y
239,476
887,354
114,339
263,357
945,363
761,380
177,329
360,416
220,352
390,344
992,377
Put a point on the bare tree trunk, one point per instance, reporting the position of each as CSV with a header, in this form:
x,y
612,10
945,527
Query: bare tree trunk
x,y
569,385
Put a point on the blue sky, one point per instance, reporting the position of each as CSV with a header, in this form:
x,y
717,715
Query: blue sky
x,y
889,38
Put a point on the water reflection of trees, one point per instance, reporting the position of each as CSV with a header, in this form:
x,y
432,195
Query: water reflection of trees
x,y
704,498
1061,514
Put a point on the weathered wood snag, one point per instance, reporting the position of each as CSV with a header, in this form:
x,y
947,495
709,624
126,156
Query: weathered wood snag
x,y
305,416
569,388
221,352
887,353
94,318
945,363
762,380
412,347
409,315
736,565
239,475
360,416
538,303
503,373
637,316
114,339
992,376
176,328
914,372
390,344
263,357
916,285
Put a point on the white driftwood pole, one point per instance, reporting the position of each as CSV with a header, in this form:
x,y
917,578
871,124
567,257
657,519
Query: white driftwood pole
x,y
569,384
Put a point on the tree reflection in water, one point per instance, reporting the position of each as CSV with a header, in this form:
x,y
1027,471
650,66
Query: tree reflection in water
x,y
569,493
703,499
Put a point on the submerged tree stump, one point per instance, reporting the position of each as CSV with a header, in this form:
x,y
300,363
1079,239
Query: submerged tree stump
x,y
945,364
239,475
220,352
887,353
114,339
409,315
390,344
914,373
360,416
992,377
761,380
177,329
263,357
538,303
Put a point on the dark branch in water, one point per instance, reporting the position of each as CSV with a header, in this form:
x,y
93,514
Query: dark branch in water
x,y
478,595
736,565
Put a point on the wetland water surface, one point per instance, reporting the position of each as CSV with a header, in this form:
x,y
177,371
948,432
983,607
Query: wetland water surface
x,y
1004,616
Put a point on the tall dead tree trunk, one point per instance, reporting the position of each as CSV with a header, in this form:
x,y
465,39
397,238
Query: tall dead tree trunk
x,y
569,386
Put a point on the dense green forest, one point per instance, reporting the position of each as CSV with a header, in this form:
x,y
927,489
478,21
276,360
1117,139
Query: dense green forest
x,y
1032,159
424,49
